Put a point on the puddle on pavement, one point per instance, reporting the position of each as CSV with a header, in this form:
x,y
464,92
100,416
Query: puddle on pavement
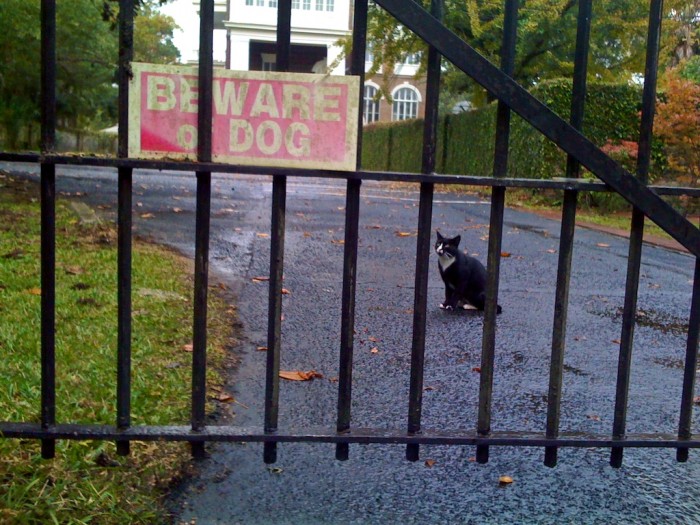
x,y
654,319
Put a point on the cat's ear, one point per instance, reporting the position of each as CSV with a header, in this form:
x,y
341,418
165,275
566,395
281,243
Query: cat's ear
x,y
440,237
456,240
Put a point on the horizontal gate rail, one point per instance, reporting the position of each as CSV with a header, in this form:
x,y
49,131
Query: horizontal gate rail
x,y
357,435
559,183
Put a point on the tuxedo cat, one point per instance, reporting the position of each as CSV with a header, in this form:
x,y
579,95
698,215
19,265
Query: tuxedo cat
x,y
463,275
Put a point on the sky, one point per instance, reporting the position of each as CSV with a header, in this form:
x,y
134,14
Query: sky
x,y
187,37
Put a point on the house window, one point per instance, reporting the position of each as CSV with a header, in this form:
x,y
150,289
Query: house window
x,y
369,52
306,5
269,62
319,5
413,59
248,2
272,3
260,2
371,109
330,5
295,4
405,104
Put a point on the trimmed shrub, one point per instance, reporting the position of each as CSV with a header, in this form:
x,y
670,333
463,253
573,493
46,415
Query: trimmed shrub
x,y
466,141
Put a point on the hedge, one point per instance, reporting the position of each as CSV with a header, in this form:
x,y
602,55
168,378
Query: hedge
x,y
466,141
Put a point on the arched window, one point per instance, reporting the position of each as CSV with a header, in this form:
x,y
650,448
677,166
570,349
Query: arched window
x,y
406,101
371,110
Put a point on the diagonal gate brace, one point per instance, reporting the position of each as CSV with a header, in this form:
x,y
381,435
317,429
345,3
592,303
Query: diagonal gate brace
x,y
504,88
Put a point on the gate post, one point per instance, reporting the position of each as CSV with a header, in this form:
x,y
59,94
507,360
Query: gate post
x,y
48,225
498,197
637,231
568,225
425,215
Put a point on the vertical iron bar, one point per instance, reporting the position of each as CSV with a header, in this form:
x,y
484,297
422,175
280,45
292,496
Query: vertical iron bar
x,y
202,221
124,223
637,230
425,215
566,243
691,364
48,225
498,197
278,220
352,222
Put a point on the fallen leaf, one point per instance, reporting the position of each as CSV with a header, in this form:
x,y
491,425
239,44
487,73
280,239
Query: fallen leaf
x,y
603,245
372,339
375,350
505,480
593,417
471,459
298,375
430,463
263,235
14,254
223,397
341,208
374,227
285,291
307,234
74,270
275,470
616,341
260,279
551,251
505,254
476,369
337,241
333,379
147,215
261,349
429,388
34,291
188,348
696,400
405,234
177,210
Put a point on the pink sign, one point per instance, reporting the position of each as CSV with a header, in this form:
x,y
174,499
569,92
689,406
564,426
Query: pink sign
x,y
266,119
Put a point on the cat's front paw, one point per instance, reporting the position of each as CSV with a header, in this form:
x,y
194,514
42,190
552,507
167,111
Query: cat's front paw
x,y
446,306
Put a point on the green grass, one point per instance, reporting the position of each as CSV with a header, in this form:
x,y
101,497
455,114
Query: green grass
x,y
87,482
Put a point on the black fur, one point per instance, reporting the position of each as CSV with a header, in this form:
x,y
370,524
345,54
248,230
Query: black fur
x,y
463,275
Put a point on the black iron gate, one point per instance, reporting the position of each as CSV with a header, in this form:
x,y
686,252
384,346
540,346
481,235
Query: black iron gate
x,y
512,97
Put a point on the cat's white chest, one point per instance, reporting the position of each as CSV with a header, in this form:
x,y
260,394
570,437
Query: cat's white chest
x,y
445,261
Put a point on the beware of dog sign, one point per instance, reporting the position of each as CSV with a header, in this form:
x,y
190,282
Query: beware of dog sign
x,y
259,118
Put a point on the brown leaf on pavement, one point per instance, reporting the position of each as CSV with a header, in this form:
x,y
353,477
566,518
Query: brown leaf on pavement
x,y
298,375
505,480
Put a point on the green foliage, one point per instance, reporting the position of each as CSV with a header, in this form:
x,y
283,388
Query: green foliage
x,y
466,143
86,55
545,45
690,69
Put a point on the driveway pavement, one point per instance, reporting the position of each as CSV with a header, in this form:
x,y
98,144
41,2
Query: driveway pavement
x,y
377,485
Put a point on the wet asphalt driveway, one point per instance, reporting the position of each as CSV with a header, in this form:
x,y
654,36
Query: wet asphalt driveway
x,y
377,485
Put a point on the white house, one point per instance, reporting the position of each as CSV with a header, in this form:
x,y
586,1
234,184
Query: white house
x,y
250,28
